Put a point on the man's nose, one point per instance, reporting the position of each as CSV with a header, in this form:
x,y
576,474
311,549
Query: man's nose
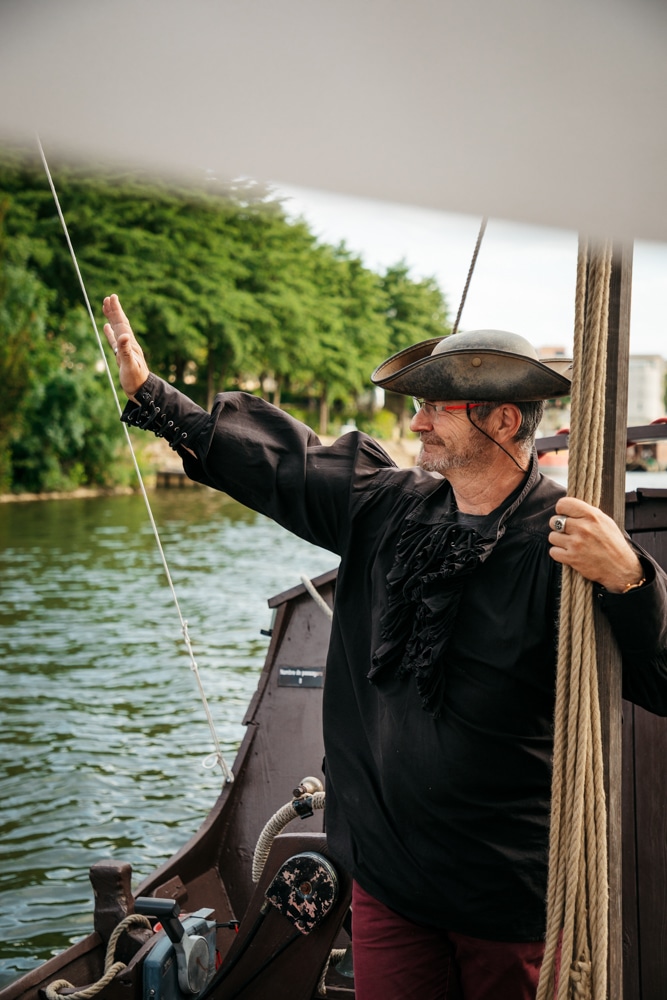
x,y
421,421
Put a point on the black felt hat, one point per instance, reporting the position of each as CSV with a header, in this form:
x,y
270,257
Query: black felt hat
x,y
491,365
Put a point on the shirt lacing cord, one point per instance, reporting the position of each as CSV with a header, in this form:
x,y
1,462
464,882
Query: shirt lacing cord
x,y
149,415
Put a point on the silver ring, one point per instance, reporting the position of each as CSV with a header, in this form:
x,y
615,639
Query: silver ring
x,y
559,522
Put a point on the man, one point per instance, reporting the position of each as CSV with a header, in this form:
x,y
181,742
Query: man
x,y
439,693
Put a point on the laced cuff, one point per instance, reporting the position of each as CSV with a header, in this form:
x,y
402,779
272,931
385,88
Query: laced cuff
x,y
149,415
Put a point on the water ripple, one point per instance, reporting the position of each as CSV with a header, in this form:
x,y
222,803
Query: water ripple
x,y
103,733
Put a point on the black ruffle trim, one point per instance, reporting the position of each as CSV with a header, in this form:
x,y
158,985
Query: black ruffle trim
x,y
423,594
424,586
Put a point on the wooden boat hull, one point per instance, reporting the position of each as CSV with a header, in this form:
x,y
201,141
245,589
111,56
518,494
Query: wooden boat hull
x,y
282,744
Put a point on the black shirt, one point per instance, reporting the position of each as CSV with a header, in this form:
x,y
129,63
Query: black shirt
x,y
443,817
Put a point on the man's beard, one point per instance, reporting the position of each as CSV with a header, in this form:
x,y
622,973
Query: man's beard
x,y
447,460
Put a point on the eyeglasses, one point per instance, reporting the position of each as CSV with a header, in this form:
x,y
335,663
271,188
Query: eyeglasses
x,y
433,409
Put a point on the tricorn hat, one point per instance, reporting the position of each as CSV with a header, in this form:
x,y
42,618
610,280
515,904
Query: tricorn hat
x,y
491,365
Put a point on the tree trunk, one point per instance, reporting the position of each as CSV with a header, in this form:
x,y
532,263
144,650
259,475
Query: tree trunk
x,y
5,460
263,376
210,380
324,413
405,417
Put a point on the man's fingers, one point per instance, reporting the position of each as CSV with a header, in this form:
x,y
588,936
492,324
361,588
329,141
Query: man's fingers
x,y
113,311
573,507
117,330
121,344
110,335
129,355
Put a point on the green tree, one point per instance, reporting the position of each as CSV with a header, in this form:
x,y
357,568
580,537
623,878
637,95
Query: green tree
x,y
281,282
223,291
70,434
174,254
352,329
24,347
417,311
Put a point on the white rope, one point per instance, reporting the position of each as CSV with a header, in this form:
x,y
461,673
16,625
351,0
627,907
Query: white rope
x,y
334,958
275,825
216,756
314,593
111,967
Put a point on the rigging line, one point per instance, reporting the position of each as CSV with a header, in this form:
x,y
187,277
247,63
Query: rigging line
x,y
315,594
480,236
216,757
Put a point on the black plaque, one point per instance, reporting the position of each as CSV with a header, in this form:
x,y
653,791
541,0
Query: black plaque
x,y
301,677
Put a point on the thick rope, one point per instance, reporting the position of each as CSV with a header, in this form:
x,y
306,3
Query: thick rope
x,y
275,825
111,967
577,913
334,958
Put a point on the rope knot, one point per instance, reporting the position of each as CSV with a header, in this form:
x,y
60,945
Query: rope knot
x,y
111,967
580,979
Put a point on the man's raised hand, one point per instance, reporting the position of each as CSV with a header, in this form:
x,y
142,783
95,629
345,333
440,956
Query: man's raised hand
x,y
132,365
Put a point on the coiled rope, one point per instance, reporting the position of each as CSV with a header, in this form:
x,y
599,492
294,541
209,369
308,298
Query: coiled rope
x,y
577,913
216,757
111,967
275,825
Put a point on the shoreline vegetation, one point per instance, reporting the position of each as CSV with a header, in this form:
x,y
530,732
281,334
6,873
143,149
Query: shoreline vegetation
x,y
81,493
159,457
225,290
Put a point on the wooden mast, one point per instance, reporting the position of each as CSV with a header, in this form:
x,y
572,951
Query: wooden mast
x,y
609,661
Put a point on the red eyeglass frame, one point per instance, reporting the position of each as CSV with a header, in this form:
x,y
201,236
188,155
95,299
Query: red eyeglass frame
x,y
436,408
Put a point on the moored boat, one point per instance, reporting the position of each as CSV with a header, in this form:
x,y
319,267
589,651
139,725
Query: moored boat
x,y
245,934
208,885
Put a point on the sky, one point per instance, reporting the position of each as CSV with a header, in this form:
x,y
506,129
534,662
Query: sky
x,y
524,279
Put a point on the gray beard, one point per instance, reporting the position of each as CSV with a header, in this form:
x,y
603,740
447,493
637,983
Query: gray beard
x,y
447,461
470,458
443,464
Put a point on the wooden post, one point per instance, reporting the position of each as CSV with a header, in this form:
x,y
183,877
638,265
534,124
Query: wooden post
x,y
609,662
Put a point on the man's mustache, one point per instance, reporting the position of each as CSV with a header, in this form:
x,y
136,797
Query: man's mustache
x,y
429,437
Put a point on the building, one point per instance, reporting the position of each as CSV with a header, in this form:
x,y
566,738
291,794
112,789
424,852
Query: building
x,y
646,388
646,402
556,411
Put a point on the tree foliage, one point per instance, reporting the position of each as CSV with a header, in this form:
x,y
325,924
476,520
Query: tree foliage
x,y
223,290
416,312
24,347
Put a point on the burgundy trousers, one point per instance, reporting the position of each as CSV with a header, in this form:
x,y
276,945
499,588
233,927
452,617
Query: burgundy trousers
x,y
397,959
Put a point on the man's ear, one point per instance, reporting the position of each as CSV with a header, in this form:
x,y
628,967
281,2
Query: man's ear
x,y
509,419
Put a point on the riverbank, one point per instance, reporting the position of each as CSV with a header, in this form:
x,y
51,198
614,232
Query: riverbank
x,y
159,457
81,493
403,451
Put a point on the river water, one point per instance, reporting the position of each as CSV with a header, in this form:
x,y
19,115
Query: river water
x,y
103,731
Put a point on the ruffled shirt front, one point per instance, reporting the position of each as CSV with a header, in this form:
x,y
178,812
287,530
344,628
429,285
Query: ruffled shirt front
x,y
424,588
